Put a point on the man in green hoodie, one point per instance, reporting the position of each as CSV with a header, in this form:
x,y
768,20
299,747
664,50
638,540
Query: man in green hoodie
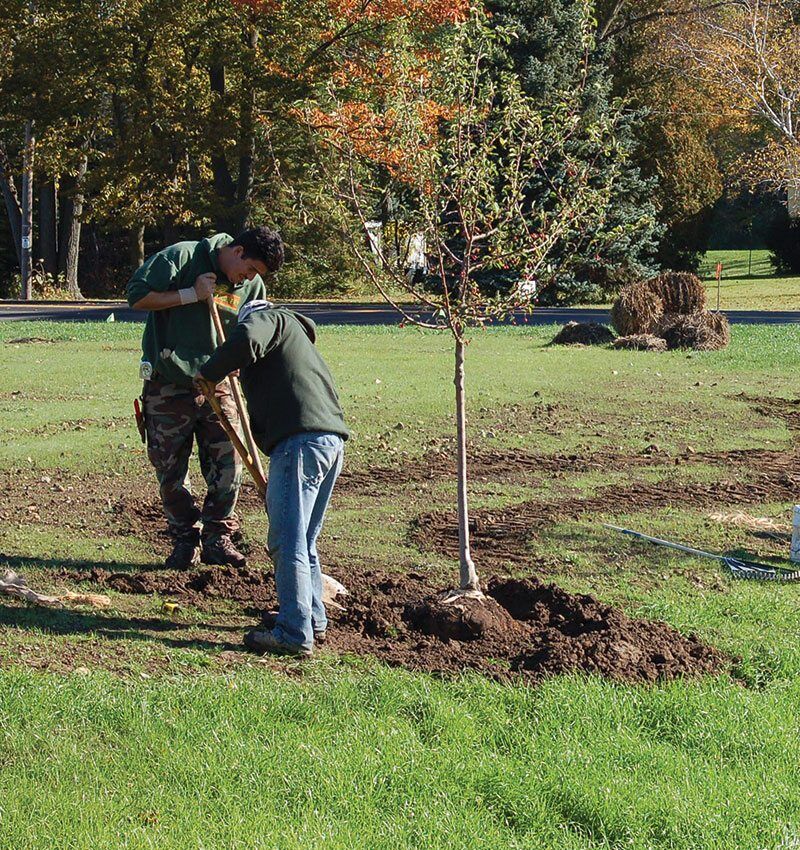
x,y
175,285
297,420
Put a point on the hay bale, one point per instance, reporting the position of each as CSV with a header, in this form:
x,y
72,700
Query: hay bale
x,y
701,331
680,292
719,325
583,333
637,310
641,342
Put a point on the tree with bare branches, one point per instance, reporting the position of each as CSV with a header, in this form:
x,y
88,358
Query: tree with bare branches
x,y
747,52
472,157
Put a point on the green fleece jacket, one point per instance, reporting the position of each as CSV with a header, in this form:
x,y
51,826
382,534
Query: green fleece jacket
x,y
288,387
179,340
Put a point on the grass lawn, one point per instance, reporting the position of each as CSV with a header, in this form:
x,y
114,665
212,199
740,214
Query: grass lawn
x,y
748,282
135,728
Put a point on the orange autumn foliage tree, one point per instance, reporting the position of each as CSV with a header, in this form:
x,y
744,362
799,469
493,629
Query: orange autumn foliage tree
x,y
459,142
747,53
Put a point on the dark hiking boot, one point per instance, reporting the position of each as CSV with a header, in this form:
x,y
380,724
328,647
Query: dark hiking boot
x,y
184,555
222,551
269,618
261,641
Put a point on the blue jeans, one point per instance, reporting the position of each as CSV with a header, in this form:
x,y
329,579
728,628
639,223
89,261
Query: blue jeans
x,y
302,471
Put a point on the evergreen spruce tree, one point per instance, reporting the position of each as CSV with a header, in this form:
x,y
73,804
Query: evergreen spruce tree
x,y
552,49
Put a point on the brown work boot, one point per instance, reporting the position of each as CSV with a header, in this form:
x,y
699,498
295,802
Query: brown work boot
x,y
222,551
185,554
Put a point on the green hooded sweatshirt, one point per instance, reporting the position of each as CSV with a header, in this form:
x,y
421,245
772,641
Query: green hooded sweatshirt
x,y
288,387
177,341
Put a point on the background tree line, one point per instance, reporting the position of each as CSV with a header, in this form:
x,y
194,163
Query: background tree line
x,y
150,123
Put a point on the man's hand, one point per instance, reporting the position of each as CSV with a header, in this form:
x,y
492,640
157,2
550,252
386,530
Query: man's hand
x,y
204,286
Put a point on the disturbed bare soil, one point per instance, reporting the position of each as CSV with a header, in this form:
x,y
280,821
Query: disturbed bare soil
x,y
524,628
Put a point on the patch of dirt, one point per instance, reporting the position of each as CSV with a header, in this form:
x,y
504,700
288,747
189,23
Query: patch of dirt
x,y
143,518
502,536
510,465
29,340
526,629
249,586
777,408
523,629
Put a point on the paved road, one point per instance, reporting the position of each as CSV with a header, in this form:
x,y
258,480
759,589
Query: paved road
x,y
341,314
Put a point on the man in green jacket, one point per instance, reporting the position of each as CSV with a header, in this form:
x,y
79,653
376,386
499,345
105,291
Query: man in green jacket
x,y
297,420
175,285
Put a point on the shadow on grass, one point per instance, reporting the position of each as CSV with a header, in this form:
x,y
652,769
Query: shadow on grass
x,y
23,562
113,626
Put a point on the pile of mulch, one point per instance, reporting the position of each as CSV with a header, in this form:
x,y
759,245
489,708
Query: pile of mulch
x,y
672,307
522,629
698,331
641,342
583,333
637,310
680,292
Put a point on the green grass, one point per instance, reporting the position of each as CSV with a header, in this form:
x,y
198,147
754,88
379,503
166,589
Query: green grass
x,y
368,758
748,282
138,734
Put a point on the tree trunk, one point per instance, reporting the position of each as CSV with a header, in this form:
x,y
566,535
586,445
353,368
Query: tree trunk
x,y
70,231
93,247
247,142
469,576
48,227
224,187
26,230
137,246
13,208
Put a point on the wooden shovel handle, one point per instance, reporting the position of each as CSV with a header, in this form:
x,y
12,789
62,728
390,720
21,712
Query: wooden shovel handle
x,y
233,435
236,391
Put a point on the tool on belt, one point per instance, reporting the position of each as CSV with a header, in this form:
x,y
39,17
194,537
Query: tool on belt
x,y
145,374
137,412
739,568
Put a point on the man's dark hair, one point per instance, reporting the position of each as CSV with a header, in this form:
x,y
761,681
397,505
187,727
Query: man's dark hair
x,y
260,243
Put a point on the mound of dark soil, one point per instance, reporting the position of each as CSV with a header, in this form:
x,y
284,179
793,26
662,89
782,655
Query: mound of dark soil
x,y
521,629
583,333
569,631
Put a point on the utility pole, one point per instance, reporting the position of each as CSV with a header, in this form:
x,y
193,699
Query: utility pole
x,y
26,235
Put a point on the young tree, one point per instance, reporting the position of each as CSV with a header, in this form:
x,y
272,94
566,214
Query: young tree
x,y
469,152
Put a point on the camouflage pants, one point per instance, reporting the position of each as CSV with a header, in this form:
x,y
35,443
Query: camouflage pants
x,y
174,418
